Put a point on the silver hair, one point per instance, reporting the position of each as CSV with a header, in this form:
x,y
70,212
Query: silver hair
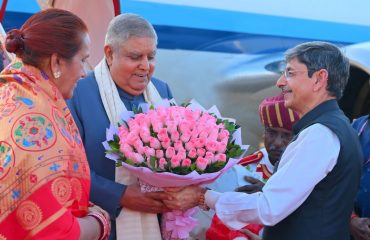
x,y
127,25
323,55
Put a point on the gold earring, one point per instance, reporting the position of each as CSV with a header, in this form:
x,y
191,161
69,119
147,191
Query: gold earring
x,y
57,74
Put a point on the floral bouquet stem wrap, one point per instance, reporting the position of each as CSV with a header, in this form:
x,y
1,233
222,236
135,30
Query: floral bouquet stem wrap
x,y
175,146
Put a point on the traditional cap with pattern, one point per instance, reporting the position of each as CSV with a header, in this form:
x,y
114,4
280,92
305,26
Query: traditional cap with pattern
x,y
274,114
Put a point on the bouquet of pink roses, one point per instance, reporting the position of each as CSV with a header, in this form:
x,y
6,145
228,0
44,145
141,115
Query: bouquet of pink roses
x,y
174,146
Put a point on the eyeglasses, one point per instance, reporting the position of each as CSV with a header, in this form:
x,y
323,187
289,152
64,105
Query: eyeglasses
x,y
288,74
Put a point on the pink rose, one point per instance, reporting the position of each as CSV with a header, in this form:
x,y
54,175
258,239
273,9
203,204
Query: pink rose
x,y
201,152
192,153
125,148
221,148
162,134
194,134
149,152
159,154
186,162
178,146
181,153
185,137
138,144
166,143
144,134
210,157
154,143
200,142
175,161
189,145
136,157
132,137
213,135
140,149
171,126
157,126
175,135
162,111
122,131
141,119
212,146
220,157
170,152
201,163
162,163
224,134
133,125
184,127
203,134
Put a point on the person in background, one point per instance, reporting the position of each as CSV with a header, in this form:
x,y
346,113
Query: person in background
x,y
44,173
360,219
258,167
120,82
311,194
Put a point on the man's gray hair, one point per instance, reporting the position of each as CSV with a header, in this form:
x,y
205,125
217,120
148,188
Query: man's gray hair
x,y
323,55
127,25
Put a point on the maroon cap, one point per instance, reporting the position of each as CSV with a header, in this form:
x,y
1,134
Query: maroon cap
x,y
274,114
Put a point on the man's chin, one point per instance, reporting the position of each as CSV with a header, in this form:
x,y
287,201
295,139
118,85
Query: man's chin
x,y
274,157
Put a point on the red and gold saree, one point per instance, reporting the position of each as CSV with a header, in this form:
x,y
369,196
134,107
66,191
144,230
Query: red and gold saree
x,y
44,173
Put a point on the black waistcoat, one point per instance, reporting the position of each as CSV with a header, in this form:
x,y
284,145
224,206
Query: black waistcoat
x,y
325,214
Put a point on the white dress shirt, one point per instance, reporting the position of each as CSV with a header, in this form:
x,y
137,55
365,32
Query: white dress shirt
x,y
305,162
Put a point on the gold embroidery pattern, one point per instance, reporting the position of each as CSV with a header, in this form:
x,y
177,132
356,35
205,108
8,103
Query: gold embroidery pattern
x,y
77,188
61,189
29,215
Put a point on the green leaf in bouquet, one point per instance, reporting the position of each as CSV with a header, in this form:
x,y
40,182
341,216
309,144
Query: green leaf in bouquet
x,y
114,145
116,138
119,163
215,167
185,104
193,166
130,162
153,162
181,170
233,150
137,109
152,132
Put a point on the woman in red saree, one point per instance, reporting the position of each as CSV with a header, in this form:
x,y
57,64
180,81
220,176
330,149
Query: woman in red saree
x,y
44,173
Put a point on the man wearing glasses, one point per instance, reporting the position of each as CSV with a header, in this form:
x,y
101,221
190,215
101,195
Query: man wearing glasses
x,y
311,194
257,168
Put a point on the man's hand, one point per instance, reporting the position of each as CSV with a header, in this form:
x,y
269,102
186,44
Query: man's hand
x,y
183,198
255,185
149,202
360,228
250,235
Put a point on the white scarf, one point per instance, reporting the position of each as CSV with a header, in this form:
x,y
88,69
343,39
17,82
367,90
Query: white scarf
x,y
129,224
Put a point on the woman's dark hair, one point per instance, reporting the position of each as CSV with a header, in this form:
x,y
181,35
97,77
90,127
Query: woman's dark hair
x,y
44,33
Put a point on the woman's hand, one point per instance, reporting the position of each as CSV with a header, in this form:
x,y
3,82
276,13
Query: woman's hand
x,y
96,225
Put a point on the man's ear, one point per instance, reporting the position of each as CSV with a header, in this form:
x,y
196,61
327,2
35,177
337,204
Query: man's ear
x,y
322,76
108,52
55,65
